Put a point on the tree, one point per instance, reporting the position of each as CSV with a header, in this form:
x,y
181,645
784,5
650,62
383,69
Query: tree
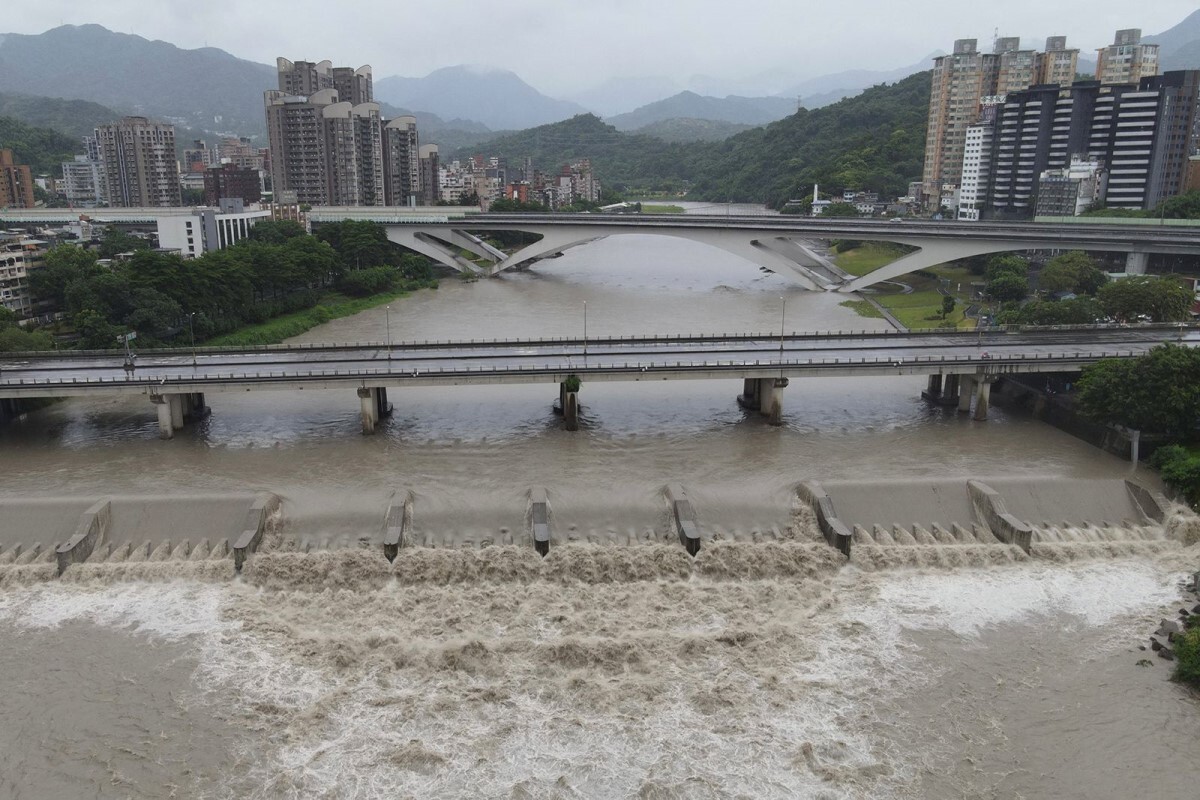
x,y
276,231
1184,206
1007,287
840,210
1161,297
95,332
1079,311
63,264
1158,392
117,241
1075,271
948,304
1005,264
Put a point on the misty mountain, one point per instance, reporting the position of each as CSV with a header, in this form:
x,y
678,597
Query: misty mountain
x,y
691,130
1179,47
825,89
205,88
689,105
73,118
497,98
618,95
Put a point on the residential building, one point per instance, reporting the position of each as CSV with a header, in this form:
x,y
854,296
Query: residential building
x,y
961,82
1127,59
1140,137
326,135
138,159
198,157
231,181
16,182
83,182
19,255
975,179
239,151
401,162
1058,65
1193,175
431,192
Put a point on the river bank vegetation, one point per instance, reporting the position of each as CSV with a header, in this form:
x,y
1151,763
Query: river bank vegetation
x,y
276,283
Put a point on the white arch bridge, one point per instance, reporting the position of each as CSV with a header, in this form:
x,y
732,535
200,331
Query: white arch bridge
x,y
778,243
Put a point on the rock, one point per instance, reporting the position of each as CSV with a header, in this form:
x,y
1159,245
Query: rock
x,y
1155,644
1196,608
1141,647
1183,612
1167,627
1167,653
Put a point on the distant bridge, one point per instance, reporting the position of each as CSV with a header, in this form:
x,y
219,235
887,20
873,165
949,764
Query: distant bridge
x,y
782,244
176,380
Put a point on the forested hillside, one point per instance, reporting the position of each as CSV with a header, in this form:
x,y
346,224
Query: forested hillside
x,y
874,141
42,149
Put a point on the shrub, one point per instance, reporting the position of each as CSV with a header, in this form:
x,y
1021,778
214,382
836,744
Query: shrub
x,y
368,281
1187,653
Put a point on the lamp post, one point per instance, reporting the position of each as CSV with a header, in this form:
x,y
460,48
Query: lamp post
x,y
585,328
387,321
782,322
192,335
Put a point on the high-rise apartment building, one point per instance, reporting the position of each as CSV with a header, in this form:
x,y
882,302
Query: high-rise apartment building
x,y
1127,59
138,159
431,168
402,162
1058,65
227,181
16,182
326,135
1139,136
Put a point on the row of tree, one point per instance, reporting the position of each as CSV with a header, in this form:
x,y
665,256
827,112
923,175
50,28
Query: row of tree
x,y
278,269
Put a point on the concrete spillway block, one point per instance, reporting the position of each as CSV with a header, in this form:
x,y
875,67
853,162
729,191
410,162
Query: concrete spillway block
x,y
1153,504
539,520
257,516
93,525
991,509
684,517
397,527
833,529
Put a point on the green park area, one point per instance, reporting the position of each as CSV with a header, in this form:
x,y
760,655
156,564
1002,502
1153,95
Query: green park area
x,y
648,208
918,300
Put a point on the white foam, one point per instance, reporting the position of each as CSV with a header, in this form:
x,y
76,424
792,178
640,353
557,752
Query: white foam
x,y
968,602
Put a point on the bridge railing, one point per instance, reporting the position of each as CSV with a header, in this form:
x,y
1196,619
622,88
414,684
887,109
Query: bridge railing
x,y
162,383
303,347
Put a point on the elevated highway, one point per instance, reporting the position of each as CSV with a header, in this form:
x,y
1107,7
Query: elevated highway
x,y
177,381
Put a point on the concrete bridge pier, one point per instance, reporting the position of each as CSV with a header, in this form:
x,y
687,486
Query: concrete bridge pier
x,y
1135,263
568,402
966,388
942,390
764,395
983,393
194,407
170,413
374,404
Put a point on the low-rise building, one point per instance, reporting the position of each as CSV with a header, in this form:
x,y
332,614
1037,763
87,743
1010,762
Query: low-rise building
x,y
19,255
16,182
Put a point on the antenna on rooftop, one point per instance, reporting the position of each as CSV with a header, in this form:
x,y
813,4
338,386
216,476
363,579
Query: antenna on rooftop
x,y
995,38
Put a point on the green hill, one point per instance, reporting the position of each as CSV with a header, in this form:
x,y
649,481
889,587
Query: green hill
x,y
76,118
874,141
42,149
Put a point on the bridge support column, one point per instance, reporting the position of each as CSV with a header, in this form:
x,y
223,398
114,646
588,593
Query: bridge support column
x,y
950,391
568,401
748,399
176,404
983,393
374,404
1135,263
964,393
170,414
194,407
770,399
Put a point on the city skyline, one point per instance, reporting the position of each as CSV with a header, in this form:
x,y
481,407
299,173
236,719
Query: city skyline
x,y
673,42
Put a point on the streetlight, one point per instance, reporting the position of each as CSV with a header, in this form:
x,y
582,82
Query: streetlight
x,y
782,319
192,333
585,328
387,321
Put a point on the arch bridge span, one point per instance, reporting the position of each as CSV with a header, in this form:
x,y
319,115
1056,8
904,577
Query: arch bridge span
x,y
784,245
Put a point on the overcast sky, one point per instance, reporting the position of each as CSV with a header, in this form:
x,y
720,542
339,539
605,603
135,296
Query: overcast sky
x,y
563,46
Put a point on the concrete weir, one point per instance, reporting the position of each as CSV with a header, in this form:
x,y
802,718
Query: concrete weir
x,y
397,527
257,516
1004,526
539,520
832,528
684,517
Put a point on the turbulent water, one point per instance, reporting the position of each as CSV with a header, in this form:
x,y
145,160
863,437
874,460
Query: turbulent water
x,y
937,662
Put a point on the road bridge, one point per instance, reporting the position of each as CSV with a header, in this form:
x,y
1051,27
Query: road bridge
x,y
960,364
782,244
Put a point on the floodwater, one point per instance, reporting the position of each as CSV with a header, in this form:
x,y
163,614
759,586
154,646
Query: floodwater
x,y
616,667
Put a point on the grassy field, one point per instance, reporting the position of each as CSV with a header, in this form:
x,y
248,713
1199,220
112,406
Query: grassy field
x,y
922,309
648,208
868,257
333,306
862,308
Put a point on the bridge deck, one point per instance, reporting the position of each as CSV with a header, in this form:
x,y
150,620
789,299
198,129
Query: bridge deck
x,y
605,359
